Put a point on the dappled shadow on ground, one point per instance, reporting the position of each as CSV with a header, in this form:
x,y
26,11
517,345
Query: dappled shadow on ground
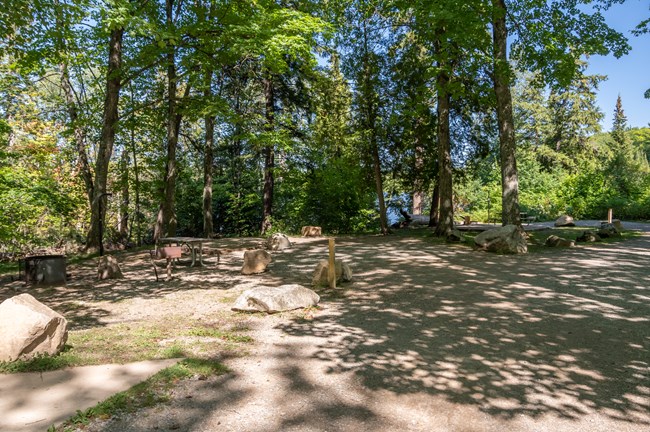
x,y
566,335
275,391
85,301
563,334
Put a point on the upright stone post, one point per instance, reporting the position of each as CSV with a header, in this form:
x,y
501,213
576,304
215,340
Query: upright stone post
x,y
609,215
331,268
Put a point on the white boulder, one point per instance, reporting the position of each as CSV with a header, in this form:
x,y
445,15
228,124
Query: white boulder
x,y
565,221
279,242
29,328
276,299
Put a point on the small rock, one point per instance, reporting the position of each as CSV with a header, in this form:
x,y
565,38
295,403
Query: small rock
x,y
255,261
565,221
311,231
108,268
455,237
276,299
342,269
608,230
555,241
278,242
588,237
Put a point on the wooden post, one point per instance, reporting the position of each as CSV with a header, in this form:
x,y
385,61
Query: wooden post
x,y
609,216
331,268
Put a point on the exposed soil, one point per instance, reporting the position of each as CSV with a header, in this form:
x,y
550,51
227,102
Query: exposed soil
x,y
428,337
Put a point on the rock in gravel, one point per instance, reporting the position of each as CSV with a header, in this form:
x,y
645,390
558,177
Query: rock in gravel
x,y
278,242
108,268
588,237
608,230
565,221
555,241
455,236
255,261
29,328
276,299
320,276
505,239
311,231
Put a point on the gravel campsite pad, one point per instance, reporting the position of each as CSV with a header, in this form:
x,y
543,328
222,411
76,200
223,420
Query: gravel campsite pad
x,y
427,337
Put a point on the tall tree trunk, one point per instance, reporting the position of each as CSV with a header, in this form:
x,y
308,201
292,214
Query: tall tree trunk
x,y
107,138
374,148
269,156
418,194
370,127
418,199
446,218
136,183
208,158
166,222
123,224
236,167
434,213
507,144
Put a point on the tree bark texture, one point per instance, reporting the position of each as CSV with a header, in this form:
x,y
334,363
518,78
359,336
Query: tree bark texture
x,y
123,224
418,194
507,145
107,138
136,183
166,220
370,127
269,157
445,189
434,214
208,157
374,148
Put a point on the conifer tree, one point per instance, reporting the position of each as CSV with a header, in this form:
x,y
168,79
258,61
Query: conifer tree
x,y
620,124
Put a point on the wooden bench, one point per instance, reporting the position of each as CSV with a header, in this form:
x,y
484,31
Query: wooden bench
x,y
168,253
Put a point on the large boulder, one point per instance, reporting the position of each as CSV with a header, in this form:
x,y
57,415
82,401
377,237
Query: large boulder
x,y
311,231
342,269
29,328
255,261
505,239
278,242
565,221
276,299
108,268
588,237
555,241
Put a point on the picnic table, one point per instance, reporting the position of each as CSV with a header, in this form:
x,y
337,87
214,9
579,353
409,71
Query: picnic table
x,y
193,243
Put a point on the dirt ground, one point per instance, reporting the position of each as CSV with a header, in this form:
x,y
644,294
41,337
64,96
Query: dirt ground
x,y
427,337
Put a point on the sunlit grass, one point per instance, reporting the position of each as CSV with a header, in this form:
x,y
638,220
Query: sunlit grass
x,y
174,337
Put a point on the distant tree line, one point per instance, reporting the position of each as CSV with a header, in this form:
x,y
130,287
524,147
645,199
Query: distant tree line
x,y
208,117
